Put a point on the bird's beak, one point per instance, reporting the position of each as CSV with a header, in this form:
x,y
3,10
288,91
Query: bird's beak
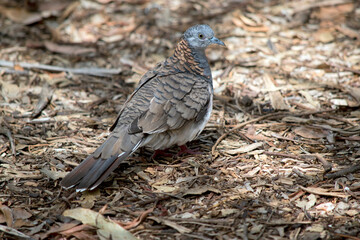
x,y
215,40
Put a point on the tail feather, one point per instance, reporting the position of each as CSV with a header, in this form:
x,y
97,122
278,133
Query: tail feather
x,y
99,172
74,177
95,169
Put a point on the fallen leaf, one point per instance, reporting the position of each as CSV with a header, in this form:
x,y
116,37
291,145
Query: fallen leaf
x,y
324,192
312,133
7,215
306,204
252,173
327,207
20,15
165,189
54,175
201,190
245,149
68,49
352,212
177,227
339,102
9,91
88,198
324,36
139,219
315,228
20,213
276,99
228,211
106,228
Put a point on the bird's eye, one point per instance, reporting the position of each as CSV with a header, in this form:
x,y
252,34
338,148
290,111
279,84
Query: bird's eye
x,y
201,36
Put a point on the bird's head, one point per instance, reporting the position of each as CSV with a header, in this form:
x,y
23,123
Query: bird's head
x,y
201,36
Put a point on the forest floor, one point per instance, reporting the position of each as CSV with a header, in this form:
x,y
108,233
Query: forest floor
x,y
280,155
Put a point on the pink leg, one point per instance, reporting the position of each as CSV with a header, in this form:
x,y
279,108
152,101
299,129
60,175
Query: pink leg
x,y
163,153
184,149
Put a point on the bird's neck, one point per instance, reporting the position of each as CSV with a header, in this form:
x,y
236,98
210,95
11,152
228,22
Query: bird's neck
x,y
192,60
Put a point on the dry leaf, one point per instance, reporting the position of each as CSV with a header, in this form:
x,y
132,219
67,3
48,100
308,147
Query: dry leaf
x,y
312,133
245,149
166,189
306,204
252,173
9,91
54,175
324,192
68,49
324,36
88,198
201,190
177,227
20,15
276,99
7,215
20,213
106,228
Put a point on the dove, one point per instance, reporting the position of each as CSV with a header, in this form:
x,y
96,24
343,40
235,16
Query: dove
x,y
170,106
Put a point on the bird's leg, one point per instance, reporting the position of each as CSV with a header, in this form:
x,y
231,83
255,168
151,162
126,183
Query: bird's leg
x,y
163,153
184,149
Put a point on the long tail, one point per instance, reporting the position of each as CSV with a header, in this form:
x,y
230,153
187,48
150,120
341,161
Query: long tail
x,y
95,169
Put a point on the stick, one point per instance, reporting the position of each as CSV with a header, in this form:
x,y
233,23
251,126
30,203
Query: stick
x,y
327,166
343,172
14,232
100,72
259,119
240,126
6,131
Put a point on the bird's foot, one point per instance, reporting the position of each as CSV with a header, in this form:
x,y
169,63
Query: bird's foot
x,y
185,150
162,153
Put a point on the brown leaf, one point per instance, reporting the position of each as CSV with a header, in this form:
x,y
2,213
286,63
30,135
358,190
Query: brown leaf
x,y
245,149
276,99
312,133
139,219
8,215
56,228
20,15
106,227
201,190
68,49
177,227
20,213
324,192
324,36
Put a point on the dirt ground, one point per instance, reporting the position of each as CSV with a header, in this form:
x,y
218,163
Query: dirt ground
x,y
280,155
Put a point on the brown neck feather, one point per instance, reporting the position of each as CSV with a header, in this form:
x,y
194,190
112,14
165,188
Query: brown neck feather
x,y
190,61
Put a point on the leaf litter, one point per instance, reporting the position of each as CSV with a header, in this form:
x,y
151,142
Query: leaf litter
x,y
281,152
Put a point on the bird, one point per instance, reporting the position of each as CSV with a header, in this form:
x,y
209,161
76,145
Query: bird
x,y
170,106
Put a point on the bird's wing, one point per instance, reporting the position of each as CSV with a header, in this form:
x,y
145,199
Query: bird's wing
x,y
165,99
175,99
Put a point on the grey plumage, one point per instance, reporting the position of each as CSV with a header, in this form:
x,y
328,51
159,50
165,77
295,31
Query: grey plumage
x,y
171,106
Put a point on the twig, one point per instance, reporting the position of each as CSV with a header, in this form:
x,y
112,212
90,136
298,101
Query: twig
x,y
14,232
13,71
45,98
346,236
240,126
327,166
287,223
343,172
282,155
264,227
6,131
100,72
262,118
